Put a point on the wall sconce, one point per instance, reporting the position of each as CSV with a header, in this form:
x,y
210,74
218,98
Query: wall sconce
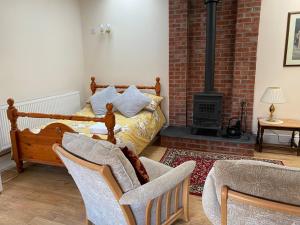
x,y
108,28
101,29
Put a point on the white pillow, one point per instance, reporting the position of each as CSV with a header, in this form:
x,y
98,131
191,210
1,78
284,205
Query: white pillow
x,y
131,102
101,98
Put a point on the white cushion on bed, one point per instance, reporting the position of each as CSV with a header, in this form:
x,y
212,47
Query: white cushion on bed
x,y
101,98
131,102
100,128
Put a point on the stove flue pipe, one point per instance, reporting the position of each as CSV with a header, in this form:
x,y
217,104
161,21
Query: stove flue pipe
x,y
210,44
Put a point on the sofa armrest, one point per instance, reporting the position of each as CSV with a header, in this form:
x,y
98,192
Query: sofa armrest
x,y
154,169
158,186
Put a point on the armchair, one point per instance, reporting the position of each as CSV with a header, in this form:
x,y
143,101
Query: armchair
x,y
242,192
161,201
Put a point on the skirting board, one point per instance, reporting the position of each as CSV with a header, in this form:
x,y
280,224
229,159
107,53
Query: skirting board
x,y
6,163
5,152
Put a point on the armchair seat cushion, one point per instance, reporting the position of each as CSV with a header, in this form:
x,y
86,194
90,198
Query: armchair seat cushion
x,y
158,186
154,169
103,153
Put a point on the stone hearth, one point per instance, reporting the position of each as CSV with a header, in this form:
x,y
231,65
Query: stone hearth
x,y
181,137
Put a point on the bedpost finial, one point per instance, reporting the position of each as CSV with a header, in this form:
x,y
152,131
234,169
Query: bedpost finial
x,y
110,123
93,85
10,102
109,107
12,114
157,86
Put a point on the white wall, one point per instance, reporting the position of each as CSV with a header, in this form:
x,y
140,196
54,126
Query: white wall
x,y
270,70
137,49
40,48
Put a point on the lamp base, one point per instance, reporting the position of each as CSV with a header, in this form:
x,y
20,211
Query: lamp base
x,y
272,121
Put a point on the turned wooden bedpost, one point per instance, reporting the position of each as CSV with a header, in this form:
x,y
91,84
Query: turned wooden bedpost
x,y
93,85
110,123
157,86
12,114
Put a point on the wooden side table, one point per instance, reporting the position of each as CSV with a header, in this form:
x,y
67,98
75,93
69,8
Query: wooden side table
x,y
287,125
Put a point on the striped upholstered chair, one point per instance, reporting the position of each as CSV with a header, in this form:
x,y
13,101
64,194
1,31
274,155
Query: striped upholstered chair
x,y
110,189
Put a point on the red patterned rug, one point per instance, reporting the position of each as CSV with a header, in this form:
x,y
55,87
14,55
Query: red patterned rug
x,y
204,163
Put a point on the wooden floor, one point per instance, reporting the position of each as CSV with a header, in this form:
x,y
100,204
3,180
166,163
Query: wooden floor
x,y
5,162
45,195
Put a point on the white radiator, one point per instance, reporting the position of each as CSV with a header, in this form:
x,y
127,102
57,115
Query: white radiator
x,y
68,103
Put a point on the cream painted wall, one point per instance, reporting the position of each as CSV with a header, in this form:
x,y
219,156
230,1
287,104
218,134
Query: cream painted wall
x,y
41,49
270,70
137,49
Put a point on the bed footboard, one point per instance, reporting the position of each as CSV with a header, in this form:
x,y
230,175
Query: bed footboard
x,y
31,147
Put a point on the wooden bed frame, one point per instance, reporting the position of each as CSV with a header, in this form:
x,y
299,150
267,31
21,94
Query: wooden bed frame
x,y
37,148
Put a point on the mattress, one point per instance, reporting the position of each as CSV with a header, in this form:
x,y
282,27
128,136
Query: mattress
x,y
137,132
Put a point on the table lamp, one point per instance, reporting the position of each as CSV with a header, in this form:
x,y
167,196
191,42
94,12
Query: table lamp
x,y
273,95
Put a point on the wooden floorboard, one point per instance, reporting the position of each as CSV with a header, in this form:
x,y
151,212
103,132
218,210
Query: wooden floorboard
x,y
45,195
5,162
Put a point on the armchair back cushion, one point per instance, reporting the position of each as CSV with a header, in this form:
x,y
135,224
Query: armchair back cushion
x,y
103,153
99,201
260,179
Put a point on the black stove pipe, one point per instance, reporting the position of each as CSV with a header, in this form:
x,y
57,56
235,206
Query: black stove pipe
x,y
210,44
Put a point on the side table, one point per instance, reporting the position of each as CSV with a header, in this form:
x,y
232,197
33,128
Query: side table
x,y
287,125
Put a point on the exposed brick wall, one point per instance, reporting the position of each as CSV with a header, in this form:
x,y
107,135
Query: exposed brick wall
x,y
247,26
237,32
178,61
208,146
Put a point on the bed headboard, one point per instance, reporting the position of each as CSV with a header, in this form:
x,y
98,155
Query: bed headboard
x,y
156,87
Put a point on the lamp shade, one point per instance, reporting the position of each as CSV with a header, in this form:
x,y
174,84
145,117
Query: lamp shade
x,y
273,95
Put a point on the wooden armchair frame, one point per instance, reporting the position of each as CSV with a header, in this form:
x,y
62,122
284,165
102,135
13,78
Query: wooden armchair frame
x,y
254,201
179,212
30,147
105,172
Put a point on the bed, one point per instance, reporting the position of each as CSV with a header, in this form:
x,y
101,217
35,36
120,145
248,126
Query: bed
x,y
36,145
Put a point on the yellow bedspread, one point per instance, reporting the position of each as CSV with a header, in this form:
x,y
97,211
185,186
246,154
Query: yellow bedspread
x,y
138,131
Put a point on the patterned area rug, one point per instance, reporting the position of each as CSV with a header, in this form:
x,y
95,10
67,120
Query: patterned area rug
x,y
204,163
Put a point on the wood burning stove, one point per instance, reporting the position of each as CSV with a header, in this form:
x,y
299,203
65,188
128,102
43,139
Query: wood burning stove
x,y
207,111
207,114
